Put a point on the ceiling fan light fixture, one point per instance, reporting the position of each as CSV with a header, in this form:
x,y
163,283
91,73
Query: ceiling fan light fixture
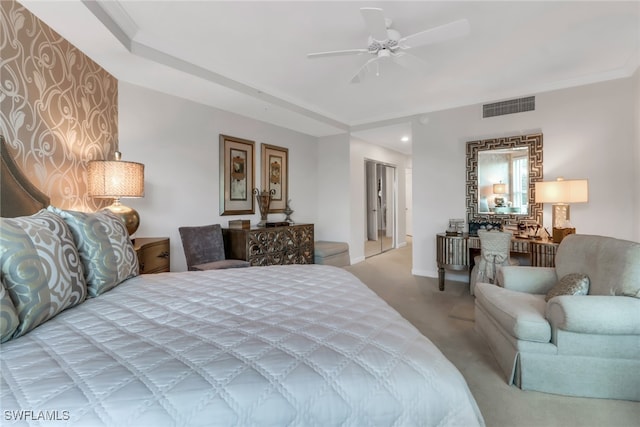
x,y
385,43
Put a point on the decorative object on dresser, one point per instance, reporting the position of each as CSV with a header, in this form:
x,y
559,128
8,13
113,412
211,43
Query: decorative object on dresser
x,y
274,245
204,249
236,175
454,252
153,254
264,200
116,179
562,192
288,211
277,224
275,175
456,227
476,225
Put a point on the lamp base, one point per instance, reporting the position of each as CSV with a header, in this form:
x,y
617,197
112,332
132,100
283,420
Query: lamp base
x,y
127,215
560,215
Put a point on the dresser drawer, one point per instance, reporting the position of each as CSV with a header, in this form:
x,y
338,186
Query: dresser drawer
x,y
291,244
153,254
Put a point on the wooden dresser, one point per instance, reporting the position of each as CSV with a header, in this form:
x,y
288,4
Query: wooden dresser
x,y
153,254
291,244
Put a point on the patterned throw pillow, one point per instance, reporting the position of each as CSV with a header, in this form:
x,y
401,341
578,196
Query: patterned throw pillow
x,y
105,248
571,284
41,269
8,316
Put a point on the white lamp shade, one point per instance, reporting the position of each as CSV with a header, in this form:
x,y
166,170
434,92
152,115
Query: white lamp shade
x,y
114,179
562,191
500,188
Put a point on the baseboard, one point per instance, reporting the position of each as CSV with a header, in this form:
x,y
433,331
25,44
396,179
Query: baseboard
x,y
450,276
402,244
425,273
357,260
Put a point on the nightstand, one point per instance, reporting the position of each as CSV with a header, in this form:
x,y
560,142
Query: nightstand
x,y
153,254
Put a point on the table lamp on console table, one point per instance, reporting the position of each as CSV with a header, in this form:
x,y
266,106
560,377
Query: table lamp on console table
x,y
562,192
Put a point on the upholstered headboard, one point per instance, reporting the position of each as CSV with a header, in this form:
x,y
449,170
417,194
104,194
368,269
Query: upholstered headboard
x,y
18,197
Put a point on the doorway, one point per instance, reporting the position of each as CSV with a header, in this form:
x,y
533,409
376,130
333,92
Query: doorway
x,y
381,207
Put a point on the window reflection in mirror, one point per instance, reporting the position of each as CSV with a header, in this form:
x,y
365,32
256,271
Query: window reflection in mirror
x,y
503,181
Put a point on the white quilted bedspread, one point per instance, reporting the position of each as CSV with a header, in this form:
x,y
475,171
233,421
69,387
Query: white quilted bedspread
x,y
278,346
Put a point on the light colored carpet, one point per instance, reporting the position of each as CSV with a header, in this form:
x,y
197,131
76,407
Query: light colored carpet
x,y
446,319
464,310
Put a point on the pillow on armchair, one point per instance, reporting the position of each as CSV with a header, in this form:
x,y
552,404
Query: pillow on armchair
x,y
571,284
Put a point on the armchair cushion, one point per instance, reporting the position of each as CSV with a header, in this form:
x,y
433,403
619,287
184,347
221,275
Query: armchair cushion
x,y
533,280
571,284
520,314
611,264
595,314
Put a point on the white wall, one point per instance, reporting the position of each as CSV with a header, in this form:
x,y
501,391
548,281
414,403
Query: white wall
x,y
361,151
177,140
636,214
333,191
589,132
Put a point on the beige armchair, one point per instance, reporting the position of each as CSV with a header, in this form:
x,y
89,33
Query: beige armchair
x,y
578,345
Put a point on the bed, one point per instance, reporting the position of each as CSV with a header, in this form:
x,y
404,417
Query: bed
x,y
280,345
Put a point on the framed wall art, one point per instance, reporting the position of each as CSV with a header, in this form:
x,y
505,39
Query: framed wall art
x,y
236,176
275,175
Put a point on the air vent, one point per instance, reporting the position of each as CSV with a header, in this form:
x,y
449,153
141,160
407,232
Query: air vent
x,y
509,107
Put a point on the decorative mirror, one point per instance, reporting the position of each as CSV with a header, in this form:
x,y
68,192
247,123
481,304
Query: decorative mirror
x,y
501,173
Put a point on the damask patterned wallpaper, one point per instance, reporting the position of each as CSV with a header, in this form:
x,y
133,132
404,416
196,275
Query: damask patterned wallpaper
x,y
59,109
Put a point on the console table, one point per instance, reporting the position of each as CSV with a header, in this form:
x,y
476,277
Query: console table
x,y
455,252
292,244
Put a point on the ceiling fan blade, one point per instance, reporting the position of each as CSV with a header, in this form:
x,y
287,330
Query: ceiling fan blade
x,y
437,34
376,23
362,72
337,53
411,62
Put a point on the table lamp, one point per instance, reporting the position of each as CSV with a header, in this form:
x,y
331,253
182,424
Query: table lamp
x,y
116,179
499,189
562,192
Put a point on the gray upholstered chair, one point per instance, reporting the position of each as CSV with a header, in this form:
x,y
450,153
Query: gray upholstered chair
x,y
495,252
204,248
548,336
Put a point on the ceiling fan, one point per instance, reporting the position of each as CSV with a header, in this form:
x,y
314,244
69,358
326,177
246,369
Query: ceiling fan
x,y
386,44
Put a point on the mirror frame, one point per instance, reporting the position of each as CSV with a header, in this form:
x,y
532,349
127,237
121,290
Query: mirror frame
x,y
533,143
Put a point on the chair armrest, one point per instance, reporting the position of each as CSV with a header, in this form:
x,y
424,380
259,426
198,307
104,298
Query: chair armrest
x,y
532,280
595,314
